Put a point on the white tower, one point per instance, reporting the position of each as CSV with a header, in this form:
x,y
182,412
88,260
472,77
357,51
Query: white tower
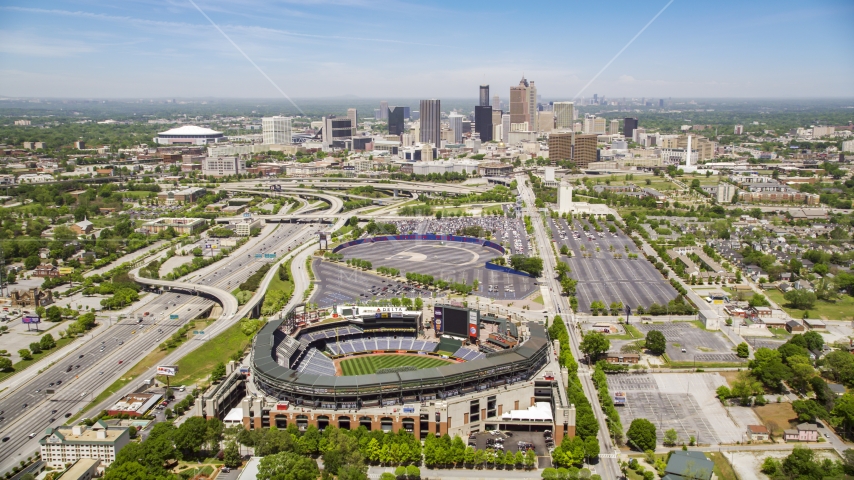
x,y
688,153
564,198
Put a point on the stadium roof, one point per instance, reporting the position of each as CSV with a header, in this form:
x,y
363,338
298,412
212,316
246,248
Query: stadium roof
x,y
190,130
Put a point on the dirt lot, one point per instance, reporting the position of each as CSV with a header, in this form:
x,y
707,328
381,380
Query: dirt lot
x,y
777,417
729,376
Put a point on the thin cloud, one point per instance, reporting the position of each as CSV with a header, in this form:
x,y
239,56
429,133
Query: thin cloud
x,y
184,25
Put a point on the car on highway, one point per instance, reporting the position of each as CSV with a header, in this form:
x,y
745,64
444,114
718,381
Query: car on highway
x,y
68,415
32,435
120,362
6,439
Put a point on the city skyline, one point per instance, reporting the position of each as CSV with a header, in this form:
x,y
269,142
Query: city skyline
x,y
300,49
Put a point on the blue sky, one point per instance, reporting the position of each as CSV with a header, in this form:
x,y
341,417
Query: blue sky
x,y
380,48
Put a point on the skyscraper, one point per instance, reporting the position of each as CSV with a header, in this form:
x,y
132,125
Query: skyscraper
x,y
276,130
496,102
431,121
629,126
455,123
483,122
519,103
614,128
484,96
532,106
564,115
396,116
505,127
353,115
383,110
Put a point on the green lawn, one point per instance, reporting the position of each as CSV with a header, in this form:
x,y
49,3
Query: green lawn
x,y
197,365
723,469
23,364
368,365
538,299
842,309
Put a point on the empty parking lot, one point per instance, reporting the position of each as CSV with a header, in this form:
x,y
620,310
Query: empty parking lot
x,y
700,345
600,263
685,402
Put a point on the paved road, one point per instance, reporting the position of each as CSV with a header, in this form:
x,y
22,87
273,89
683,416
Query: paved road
x,y
81,384
607,467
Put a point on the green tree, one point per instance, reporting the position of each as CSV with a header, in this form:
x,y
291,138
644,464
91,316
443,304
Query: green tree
x,y
218,372
288,466
54,314
25,354
800,298
641,434
767,366
594,344
47,342
758,301
190,436
670,437
231,455
656,343
742,350
808,410
5,364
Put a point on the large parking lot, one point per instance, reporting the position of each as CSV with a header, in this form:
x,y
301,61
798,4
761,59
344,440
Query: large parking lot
x,y
600,263
699,345
685,402
450,261
509,232
338,284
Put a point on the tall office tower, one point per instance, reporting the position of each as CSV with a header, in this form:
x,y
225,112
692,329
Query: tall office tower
x,y
383,110
415,115
406,113
496,117
577,127
564,115
276,130
505,127
496,102
580,149
483,122
431,121
519,103
614,128
532,106
546,121
660,102
629,127
484,96
377,114
353,115
455,123
335,131
395,120
595,98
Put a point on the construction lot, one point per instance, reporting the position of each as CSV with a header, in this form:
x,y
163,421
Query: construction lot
x,y
607,274
685,402
449,261
699,345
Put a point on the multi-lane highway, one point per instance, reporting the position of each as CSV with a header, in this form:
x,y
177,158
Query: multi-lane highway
x,y
105,357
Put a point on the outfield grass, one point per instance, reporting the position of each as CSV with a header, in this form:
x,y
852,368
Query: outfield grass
x,y
368,365
842,309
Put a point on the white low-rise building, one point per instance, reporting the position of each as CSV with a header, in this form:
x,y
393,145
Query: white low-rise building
x,y
35,178
64,445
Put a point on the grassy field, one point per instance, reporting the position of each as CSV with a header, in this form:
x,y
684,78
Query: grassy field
x,y
197,365
368,365
23,364
842,309
538,299
776,416
723,469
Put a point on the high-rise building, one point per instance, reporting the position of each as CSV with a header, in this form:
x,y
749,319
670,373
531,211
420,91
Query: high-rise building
x,y
532,105
276,130
335,131
629,127
407,113
396,116
431,121
483,122
594,124
564,115
484,96
738,130
580,149
725,192
505,127
614,128
546,122
455,124
519,103
383,110
660,102
496,102
353,115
